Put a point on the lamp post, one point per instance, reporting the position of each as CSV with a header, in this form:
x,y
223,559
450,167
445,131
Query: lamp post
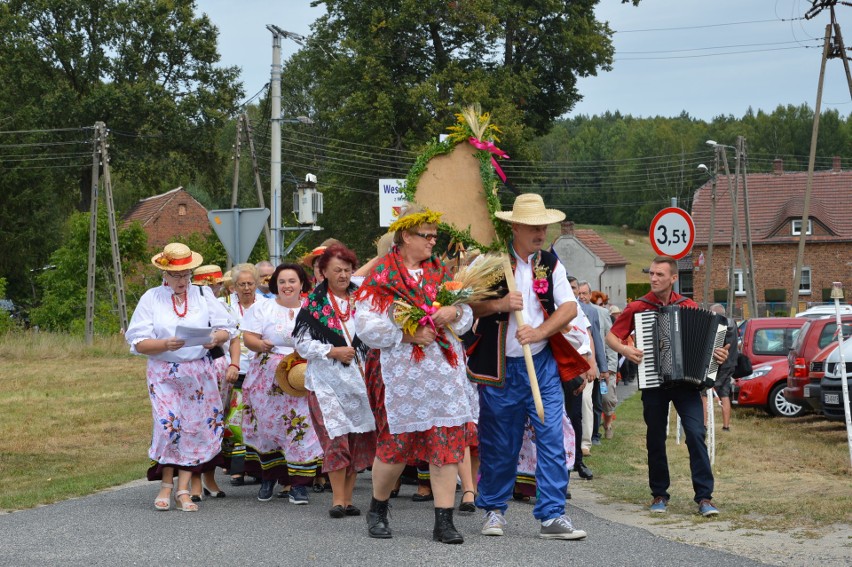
x,y
708,270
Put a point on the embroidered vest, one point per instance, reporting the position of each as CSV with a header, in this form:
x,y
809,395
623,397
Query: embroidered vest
x,y
486,363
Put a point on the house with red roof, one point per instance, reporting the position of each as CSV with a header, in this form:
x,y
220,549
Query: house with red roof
x,y
587,256
776,203
166,216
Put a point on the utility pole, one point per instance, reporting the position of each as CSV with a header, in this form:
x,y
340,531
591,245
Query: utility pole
x,y
800,255
275,147
751,277
235,186
829,51
732,280
258,185
747,302
708,269
100,157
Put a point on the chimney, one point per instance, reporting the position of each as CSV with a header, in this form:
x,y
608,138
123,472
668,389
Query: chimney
x,y
835,164
567,228
777,166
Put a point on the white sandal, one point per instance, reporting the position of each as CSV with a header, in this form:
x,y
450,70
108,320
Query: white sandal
x,y
164,504
185,506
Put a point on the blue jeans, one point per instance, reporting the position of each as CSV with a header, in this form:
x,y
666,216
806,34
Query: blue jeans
x,y
687,402
502,415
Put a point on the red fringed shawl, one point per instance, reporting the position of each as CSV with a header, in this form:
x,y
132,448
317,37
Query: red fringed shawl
x,y
390,281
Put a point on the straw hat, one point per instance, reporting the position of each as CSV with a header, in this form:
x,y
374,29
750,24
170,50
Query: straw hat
x,y
207,275
176,257
384,244
308,259
614,309
529,209
290,375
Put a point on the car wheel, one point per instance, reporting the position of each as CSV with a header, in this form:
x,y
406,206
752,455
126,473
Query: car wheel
x,y
779,406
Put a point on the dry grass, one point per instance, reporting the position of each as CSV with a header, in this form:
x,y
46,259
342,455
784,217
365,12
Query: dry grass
x,y
771,473
77,419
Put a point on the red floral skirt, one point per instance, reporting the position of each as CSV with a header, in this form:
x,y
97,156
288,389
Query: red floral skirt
x,y
353,451
437,446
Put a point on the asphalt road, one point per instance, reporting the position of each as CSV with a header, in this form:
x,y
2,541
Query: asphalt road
x,y
121,527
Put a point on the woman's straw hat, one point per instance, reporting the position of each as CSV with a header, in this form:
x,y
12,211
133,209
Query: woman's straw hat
x,y
290,375
529,209
207,275
176,257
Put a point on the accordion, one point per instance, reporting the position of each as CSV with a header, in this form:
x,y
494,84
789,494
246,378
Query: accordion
x,y
677,345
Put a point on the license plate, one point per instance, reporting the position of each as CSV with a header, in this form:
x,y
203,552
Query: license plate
x,y
832,399
807,392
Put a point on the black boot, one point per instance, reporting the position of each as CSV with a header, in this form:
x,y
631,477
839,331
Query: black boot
x,y
445,531
377,519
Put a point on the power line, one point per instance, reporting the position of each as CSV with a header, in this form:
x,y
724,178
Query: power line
x,y
678,28
715,54
49,131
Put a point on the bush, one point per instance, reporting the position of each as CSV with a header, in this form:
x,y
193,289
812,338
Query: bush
x,y
636,290
775,295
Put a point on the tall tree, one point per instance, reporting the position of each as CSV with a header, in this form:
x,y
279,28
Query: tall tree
x,y
147,68
391,73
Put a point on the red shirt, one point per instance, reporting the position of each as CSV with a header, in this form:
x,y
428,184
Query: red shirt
x,y
624,325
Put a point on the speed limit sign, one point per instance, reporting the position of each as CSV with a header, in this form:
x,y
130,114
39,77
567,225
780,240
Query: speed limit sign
x,y
672,233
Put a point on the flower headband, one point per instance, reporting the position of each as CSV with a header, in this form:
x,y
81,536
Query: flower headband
x,y
407,222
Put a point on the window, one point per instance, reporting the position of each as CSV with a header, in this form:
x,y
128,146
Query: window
x,y
830,330
805,282
776,342
181,210
685,281
739,282
797,227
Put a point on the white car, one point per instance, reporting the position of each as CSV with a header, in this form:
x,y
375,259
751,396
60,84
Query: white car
x,y
823,310
831,384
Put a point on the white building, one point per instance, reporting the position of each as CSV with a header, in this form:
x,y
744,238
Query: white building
x,y
587,256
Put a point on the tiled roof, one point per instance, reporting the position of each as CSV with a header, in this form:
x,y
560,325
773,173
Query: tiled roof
x,y
146,210
600,247
775,200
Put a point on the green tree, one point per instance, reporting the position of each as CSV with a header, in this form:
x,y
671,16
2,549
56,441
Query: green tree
x,y
63,283
147,68
390,74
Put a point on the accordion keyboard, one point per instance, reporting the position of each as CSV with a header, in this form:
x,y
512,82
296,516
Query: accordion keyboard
x,y
645,322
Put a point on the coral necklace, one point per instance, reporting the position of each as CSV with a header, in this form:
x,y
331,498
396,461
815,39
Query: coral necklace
x,y
185,305
342,315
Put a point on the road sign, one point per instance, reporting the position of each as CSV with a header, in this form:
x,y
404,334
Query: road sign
x,y
672,233
391,200
238,230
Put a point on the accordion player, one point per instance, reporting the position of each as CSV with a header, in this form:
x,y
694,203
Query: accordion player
x,y
677,345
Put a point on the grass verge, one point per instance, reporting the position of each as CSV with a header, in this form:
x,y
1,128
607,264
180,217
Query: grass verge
x,y
77,418
770,473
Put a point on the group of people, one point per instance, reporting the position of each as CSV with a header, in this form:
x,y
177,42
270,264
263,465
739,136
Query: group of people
x,y
451,394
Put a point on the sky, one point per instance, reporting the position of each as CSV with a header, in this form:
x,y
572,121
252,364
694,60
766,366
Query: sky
x,y
705,57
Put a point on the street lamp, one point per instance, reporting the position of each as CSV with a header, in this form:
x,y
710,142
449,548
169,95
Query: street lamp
x,y
708,270
297,120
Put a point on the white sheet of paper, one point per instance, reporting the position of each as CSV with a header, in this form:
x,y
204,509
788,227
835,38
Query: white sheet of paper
x,y
194,336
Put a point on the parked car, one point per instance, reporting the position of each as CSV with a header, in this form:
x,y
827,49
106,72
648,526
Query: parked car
x,y
815,335
765,339
827,309
764,388
832,383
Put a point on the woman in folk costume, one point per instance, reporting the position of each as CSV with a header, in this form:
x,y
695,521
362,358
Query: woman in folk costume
x,y
185,403
425,397
325,337
279,435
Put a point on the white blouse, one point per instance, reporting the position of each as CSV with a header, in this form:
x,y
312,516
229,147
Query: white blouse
x,y
272,322
155,318
238,313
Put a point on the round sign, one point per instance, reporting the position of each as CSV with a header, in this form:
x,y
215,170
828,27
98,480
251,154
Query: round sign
x,y
672,233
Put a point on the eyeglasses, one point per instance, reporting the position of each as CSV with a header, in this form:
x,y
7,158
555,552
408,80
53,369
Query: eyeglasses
x,y
179,277
431,237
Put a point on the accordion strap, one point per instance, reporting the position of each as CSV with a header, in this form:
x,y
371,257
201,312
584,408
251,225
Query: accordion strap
x,y
657,305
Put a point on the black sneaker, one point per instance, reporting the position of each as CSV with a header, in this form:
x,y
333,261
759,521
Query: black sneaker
x,y
267,487
299,495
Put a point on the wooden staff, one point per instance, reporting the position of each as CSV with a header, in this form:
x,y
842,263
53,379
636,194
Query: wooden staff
x,y
519,319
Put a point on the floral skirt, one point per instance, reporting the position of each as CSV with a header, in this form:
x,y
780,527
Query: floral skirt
x,y
274,420
525,481
351,451
437,446
220,369
187,413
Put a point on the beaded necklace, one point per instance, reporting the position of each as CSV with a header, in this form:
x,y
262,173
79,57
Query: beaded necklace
x,y
342,315
185,305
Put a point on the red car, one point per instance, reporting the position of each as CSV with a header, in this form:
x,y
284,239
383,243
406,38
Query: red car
x,y
816,335
764,388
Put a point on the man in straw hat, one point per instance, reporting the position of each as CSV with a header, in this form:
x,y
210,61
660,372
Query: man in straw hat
x,y
498,365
